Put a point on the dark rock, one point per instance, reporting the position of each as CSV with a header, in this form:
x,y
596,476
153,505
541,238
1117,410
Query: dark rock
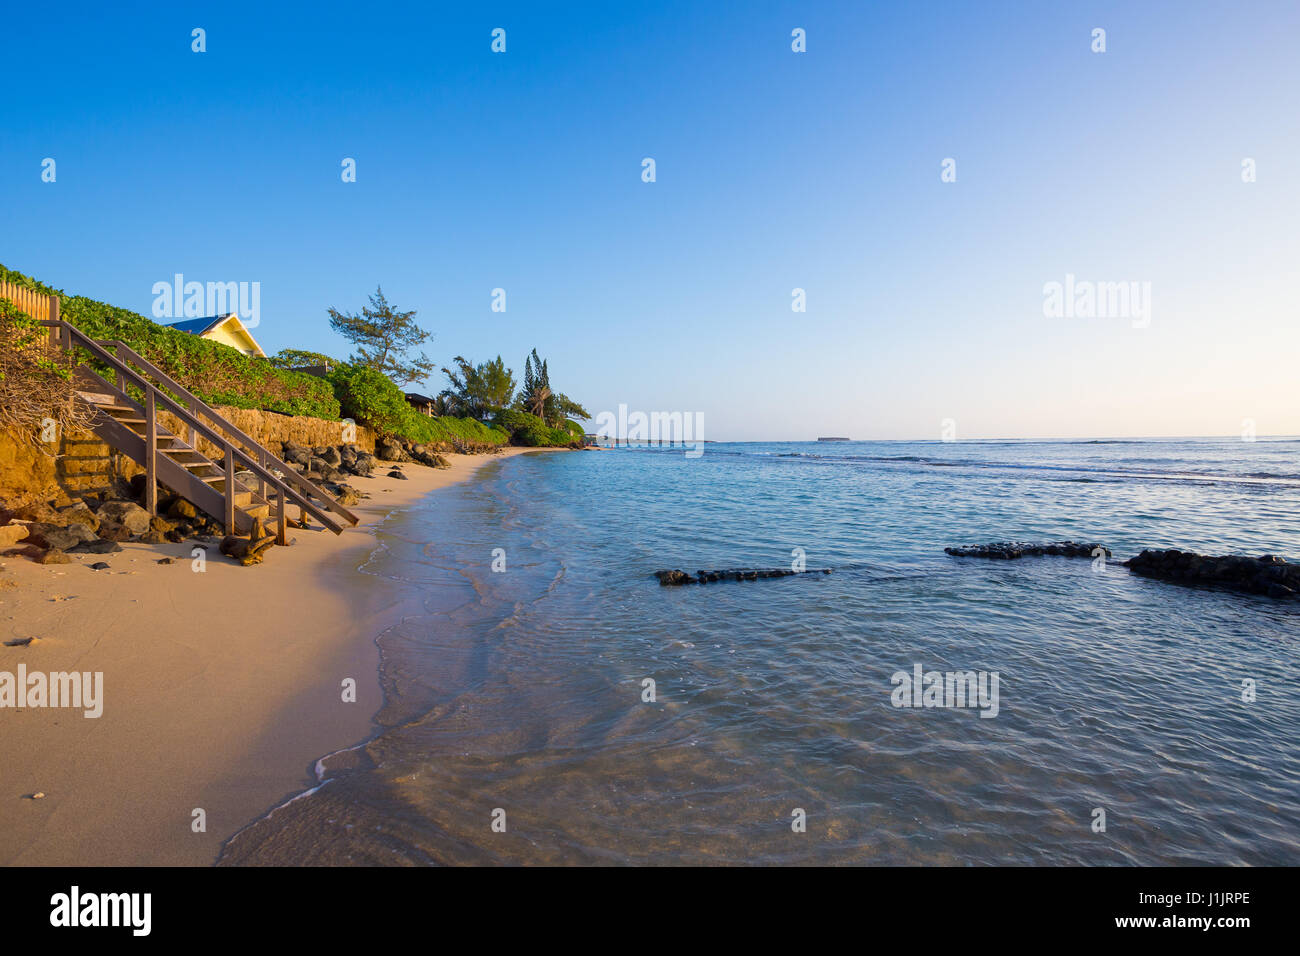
x,y
79,514
165,561
674,577
1269,575
98,546
390,449
679,577
346,495
48,536
294,454
180,508
99,566
40,511
113,531
137,487
126,513
422,455
1011,550
396,474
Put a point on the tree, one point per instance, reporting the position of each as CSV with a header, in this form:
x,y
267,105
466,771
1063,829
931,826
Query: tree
x,y
536,393
478,390
299,358
384,338
538,398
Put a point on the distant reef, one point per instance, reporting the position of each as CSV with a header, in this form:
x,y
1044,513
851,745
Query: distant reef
x,y
1010,550
1268,575
677,577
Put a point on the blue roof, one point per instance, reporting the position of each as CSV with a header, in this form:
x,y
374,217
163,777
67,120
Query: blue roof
x,y
198,326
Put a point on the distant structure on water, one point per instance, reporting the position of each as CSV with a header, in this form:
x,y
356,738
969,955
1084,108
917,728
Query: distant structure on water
x,y
835,439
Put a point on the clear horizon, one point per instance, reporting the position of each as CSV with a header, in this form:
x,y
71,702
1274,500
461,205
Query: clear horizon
x,y
926,301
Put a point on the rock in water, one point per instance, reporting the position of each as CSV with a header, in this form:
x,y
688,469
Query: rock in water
x,y
679,577
674,577
1010,550
1268,575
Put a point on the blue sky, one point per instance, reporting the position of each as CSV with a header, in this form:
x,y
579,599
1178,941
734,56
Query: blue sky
x,y
775,170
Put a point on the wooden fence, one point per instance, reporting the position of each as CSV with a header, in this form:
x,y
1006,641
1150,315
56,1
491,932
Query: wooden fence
x,y
43,308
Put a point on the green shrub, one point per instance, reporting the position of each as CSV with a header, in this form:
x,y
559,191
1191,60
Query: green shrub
x,y
372,399
215,373
527,429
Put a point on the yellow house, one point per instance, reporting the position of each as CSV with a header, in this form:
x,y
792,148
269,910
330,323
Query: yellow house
x,y
226,329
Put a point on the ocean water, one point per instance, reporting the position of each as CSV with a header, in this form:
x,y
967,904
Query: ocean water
x,y
518,697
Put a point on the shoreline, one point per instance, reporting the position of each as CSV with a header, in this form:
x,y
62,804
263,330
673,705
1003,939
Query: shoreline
x,y
221,689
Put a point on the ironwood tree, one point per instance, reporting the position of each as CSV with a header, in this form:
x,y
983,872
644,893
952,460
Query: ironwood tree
x,y
385,339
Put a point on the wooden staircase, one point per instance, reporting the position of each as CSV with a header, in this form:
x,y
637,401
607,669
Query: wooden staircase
x,y
247,483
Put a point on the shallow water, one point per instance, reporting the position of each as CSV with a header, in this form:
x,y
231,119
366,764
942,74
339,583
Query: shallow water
x,y
522,691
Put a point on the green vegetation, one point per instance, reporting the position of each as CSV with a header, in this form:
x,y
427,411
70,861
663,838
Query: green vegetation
x,y
478,390
35,381
371,398
364,389
297,358
384,338
216,373
537,399
527,429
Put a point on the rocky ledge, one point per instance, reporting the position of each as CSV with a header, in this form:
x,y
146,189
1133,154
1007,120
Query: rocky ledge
x,y
1010,550
96,523
676,577
1269,575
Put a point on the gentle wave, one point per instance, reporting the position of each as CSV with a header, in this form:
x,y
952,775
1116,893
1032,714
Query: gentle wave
x,y
523,691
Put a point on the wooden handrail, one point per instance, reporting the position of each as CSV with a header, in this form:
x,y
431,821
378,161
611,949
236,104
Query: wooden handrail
x,y
197,406
155,396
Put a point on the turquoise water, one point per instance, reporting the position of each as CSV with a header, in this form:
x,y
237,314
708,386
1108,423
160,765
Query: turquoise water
x,y
522,691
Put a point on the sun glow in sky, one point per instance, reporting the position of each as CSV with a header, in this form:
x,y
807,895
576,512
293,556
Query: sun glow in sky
x,y
775,171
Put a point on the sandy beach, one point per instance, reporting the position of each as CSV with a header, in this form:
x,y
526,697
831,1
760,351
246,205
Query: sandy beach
x,y
220,689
